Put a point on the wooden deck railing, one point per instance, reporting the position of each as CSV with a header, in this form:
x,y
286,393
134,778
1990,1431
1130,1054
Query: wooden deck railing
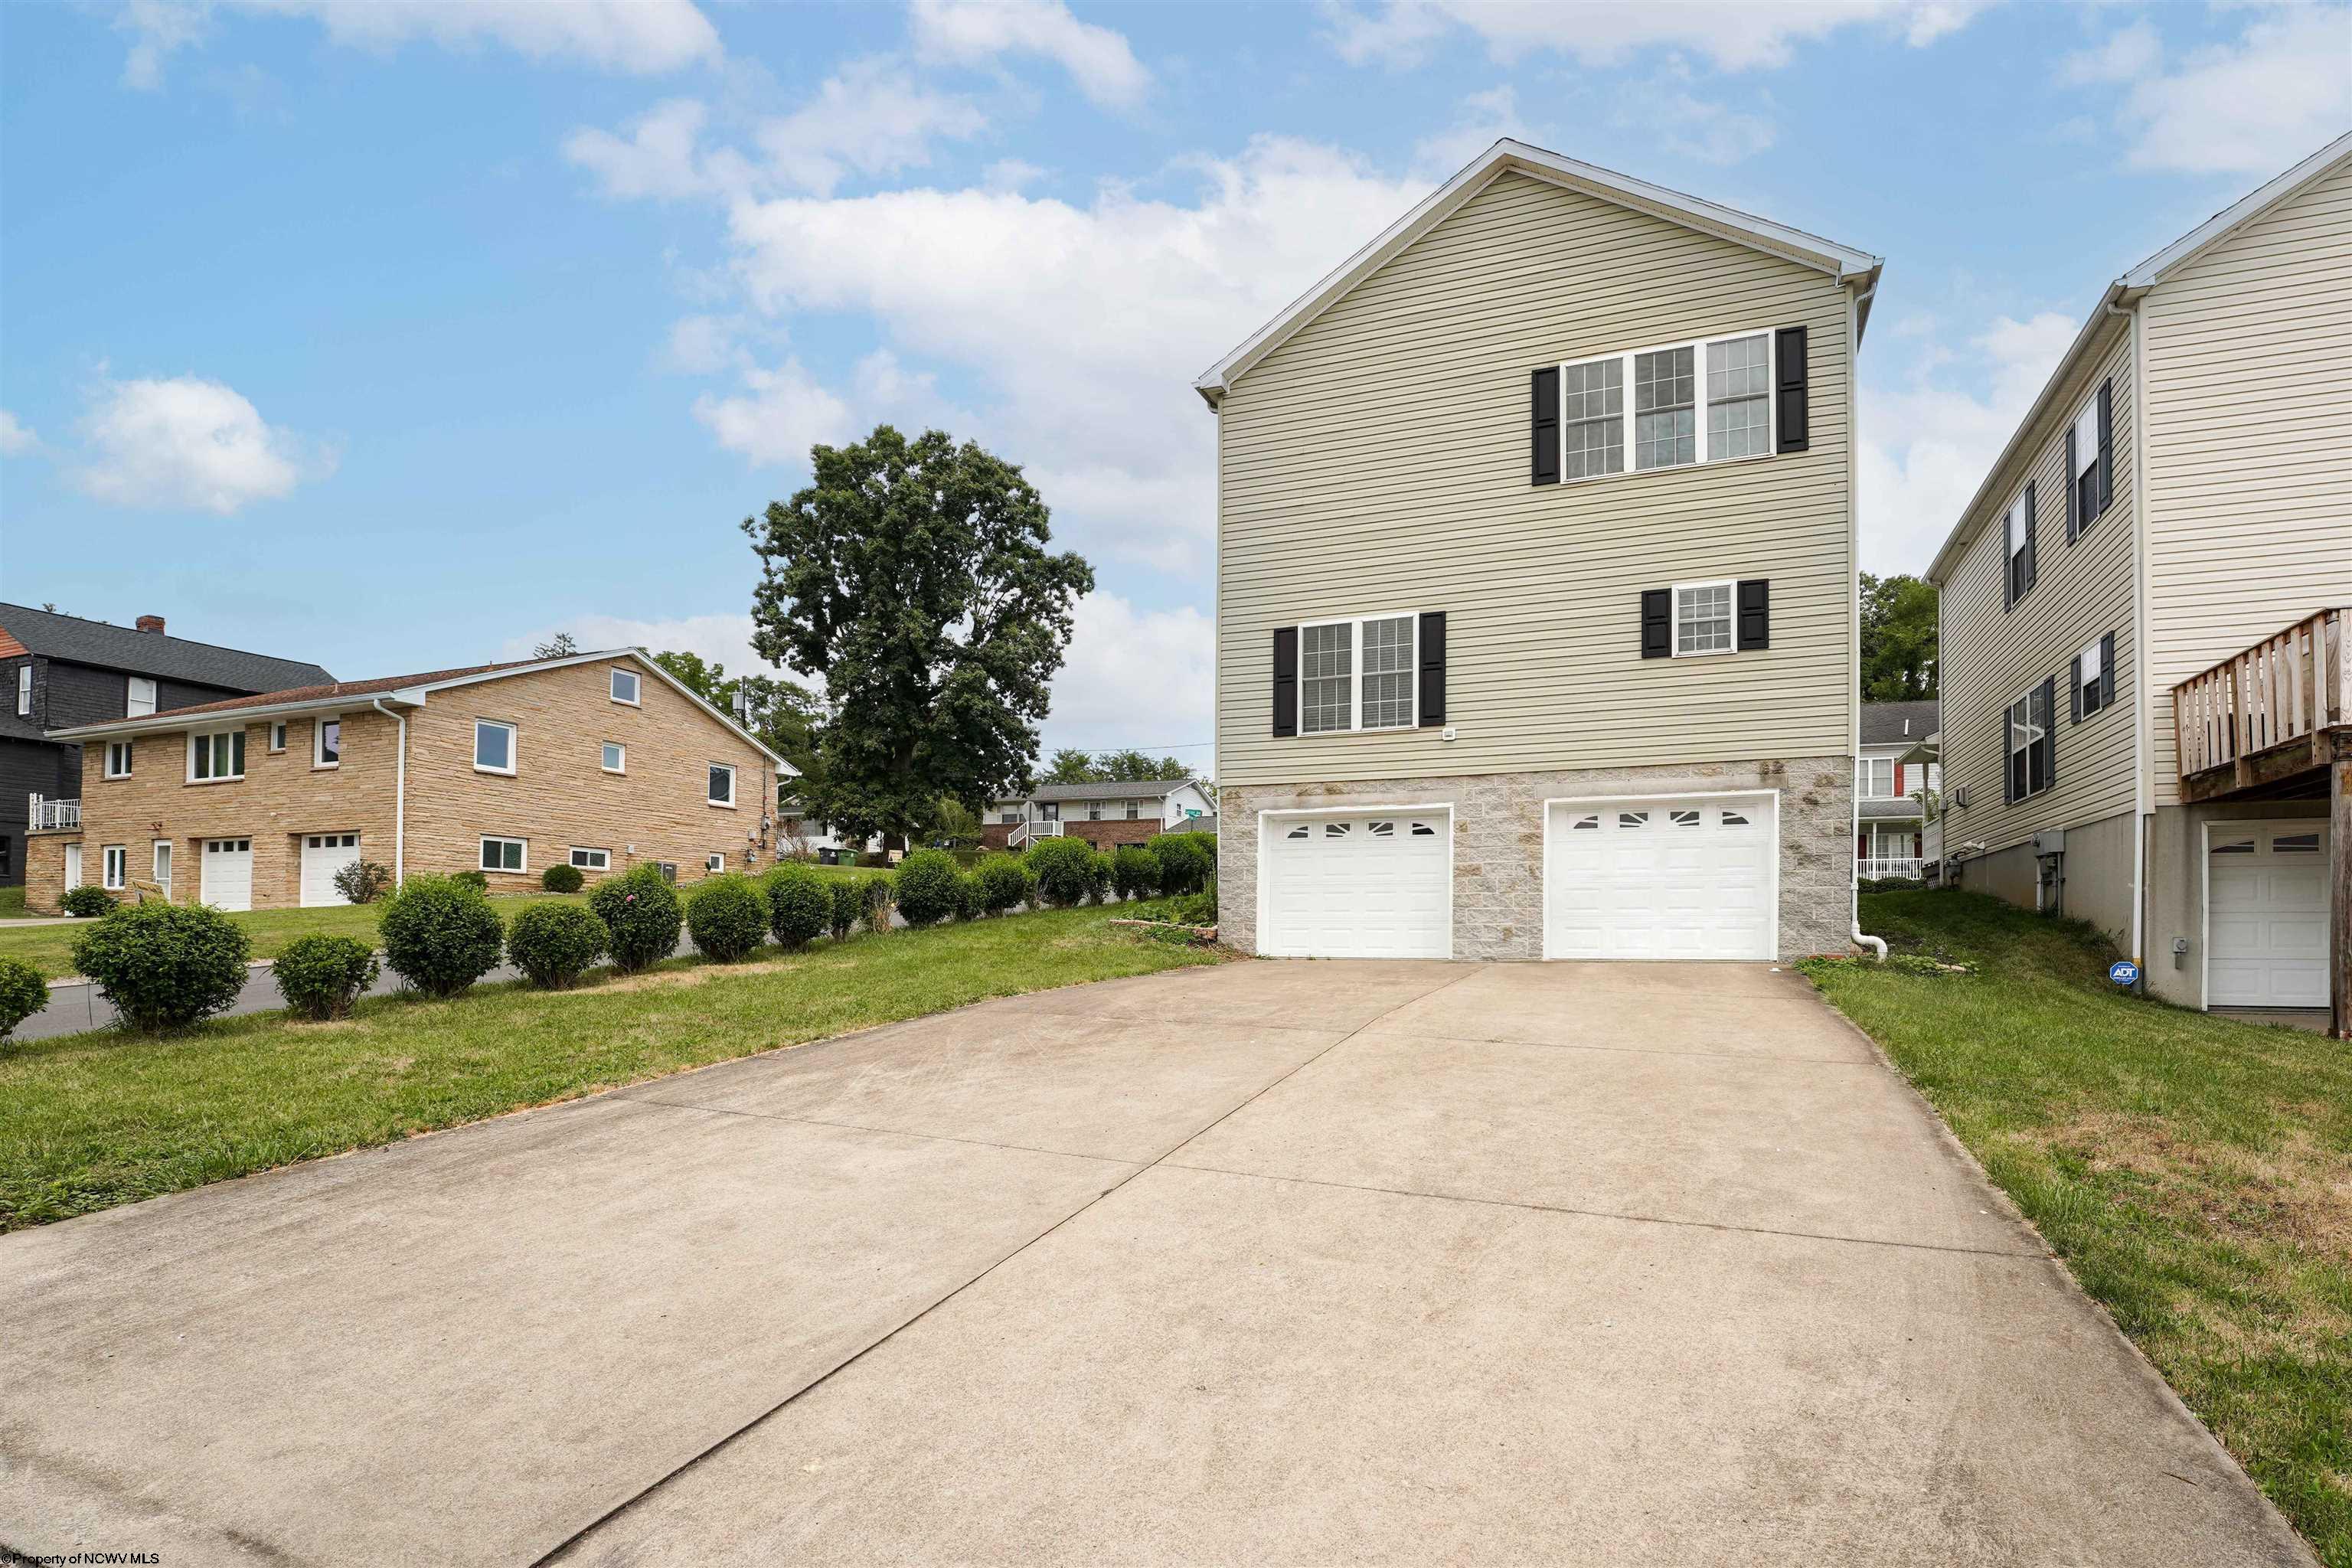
x,y
2282,688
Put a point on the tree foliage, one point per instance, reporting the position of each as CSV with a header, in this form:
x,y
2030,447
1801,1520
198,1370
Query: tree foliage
x,y
783,714
1130,767
912,578
561,646
1898,639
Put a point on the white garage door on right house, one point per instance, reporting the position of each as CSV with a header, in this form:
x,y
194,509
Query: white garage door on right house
x,y
225,878
1691,876
2266,914
323,856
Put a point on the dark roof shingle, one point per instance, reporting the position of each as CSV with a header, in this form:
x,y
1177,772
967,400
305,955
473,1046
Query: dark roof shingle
x,y
75,640
332,689
1883,722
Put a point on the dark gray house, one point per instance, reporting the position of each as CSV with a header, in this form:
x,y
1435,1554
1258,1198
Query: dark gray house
x,y
61,670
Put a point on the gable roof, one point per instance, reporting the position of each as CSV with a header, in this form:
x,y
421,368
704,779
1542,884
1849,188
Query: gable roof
x,y
74,640
1883,723
2124,291
1857,268
409,691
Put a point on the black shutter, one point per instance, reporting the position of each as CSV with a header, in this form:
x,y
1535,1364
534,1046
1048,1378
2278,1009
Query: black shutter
x,y
1657,623
1789,365
2074,523
2106,443
2107,670
1286,680
2075,684
2033,568
1755,614
2048,744
1545,459
1432,667
2007,570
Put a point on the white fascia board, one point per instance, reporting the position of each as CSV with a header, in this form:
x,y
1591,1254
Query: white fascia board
x,y
1857,268
225,718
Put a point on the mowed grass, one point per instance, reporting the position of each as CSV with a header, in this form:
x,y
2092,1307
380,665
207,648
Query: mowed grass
x,y
2195,1173
91,1121
12,903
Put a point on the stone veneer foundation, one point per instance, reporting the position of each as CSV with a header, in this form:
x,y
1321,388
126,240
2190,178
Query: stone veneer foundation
x,y
1498,842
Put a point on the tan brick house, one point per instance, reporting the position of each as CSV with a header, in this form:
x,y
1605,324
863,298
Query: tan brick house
x,y
602,760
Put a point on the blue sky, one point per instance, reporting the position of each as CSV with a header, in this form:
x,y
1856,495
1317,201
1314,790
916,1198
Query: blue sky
x,y
394,334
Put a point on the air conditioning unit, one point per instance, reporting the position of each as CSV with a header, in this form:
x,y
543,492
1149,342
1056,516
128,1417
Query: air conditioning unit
x,y
2049,841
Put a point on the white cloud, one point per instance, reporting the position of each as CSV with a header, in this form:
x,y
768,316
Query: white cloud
x,y
700,345
2251,107
778,417
16,438
1733,35
1486,118
189,443
1928,443
638,36
969,32
1116,650
1707,130
660,158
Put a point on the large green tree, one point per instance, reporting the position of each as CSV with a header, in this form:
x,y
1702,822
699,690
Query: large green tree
x,y
1898,639
913,578
783,715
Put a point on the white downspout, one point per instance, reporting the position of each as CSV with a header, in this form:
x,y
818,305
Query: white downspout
x,y
2143,740
1853,604
399,795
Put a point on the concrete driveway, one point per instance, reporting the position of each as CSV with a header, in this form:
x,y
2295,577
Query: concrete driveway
x,y
1286,1262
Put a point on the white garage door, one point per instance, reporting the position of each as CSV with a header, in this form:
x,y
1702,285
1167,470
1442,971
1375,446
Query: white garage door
x,y
226,882
323,855
2266,915
1661,878
1375,885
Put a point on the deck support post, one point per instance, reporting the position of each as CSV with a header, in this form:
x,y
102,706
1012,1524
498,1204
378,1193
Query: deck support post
x,y
2339,884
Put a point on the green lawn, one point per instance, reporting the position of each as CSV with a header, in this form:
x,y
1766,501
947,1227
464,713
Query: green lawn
x,y
50,948
91,1121
12,903
2195,1173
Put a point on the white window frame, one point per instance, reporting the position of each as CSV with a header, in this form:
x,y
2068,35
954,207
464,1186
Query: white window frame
x,y
127,749
714,864
1674,615
278,735
1698,347
1864,782
578,857
131,696
514,747
114,866
319,740
2013,540
203,737
160,861
1356,673
637,686
25,687
2087,678
710,799
609,748
482,854
2012,729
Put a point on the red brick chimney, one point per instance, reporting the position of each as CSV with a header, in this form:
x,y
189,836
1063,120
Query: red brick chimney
x,y
151,623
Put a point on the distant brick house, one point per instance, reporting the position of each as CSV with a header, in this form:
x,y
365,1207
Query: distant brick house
x,y
601,760
1100,814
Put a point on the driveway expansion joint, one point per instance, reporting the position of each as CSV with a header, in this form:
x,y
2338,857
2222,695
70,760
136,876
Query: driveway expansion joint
x,y
882,1132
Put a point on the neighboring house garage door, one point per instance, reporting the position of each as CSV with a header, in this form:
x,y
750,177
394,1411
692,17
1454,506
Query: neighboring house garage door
x,y
2266,915
1691,878
226,882
1358,885
323,855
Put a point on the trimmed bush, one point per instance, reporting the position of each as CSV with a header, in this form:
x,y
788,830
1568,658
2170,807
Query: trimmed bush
x,y
1063,870
925,887
562,878
1134,871
641,916
478,881
848,896
1004,883
968,902
727,918
1188,861
363,881
164,966
322,976
875,897
23,993
555,944
440,934
88,901
800,907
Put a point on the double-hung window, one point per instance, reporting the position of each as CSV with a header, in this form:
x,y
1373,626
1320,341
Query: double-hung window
x,y
2031,744
115,871
1704,622
1592,417
216,756
494,746
1665,409
2094,677
504,854
139,699
1357,674
722,784
118,759
2017,536
1709,400
2083,446
1875,778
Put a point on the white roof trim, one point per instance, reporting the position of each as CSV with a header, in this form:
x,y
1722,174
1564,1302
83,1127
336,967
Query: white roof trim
x,y
230,718
1510,156
2147,273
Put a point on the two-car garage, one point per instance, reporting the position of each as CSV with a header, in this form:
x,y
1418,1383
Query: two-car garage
x,y
1679,877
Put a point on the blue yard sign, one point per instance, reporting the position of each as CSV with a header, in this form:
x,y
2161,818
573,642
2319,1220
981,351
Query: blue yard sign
x,y
2123,972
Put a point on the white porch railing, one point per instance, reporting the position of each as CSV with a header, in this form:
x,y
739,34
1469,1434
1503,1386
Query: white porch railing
x,y
1871,868
1022,832
48,814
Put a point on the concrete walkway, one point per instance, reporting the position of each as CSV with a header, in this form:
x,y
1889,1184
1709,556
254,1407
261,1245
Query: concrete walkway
x,y
1275,1262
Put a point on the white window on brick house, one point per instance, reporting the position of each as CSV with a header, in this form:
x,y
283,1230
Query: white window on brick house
x,y
327,743
714,863
616,757
494,746
278,736
722,784
115,869
505,854
217,756
590,860
624,687
118,759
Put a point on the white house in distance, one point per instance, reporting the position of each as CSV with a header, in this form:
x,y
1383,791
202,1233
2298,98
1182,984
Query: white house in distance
x,y
1890,828
1101,814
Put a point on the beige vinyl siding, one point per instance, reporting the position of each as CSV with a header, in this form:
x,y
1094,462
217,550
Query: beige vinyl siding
x,y
1992,656
2249,471
1378,461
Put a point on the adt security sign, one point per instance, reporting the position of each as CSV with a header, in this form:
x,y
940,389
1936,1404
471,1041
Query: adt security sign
x,y
2123,972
